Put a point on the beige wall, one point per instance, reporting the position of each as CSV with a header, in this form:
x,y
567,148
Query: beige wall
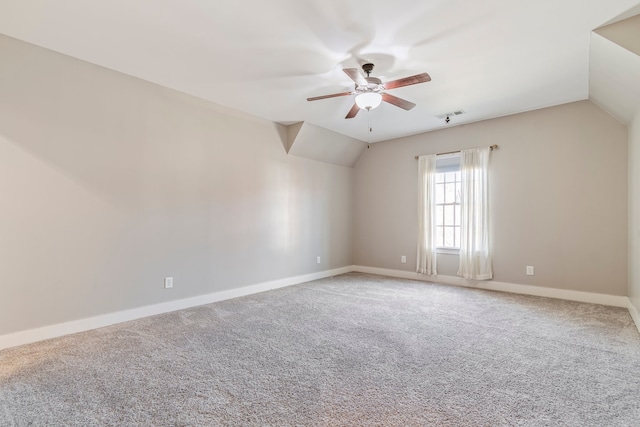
x,y
108,184
634,212
558,198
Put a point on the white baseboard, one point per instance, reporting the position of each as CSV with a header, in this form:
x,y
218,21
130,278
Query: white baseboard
x,y
635,315
74,326
71,327
594,298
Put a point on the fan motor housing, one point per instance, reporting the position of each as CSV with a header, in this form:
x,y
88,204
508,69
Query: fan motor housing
x,y
374,84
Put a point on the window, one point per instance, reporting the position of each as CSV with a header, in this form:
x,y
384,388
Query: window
x,y
447,203
453,207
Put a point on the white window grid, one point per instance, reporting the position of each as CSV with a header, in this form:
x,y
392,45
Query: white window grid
x,y
448,220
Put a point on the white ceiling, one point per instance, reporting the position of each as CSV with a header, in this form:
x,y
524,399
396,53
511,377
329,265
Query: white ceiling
x,y
489,58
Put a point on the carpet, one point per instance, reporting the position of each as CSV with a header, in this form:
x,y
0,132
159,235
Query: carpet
x,y
351,350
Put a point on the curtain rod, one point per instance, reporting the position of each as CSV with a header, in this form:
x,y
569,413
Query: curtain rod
x,y
492,147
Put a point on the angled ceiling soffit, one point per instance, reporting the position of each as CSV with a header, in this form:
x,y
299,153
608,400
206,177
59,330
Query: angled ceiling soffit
x,y
317,143
614,68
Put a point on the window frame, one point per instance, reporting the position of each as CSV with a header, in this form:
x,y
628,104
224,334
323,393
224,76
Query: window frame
x,y
448,164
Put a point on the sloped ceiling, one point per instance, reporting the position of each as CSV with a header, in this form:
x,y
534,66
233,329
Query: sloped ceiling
x,y
489,58
625,33
314,142
614,68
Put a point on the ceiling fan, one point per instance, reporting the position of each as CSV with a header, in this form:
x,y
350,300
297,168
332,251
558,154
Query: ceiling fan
x,y
370,91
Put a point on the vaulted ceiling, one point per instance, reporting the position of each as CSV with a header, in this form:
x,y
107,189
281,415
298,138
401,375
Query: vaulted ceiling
x,y
487,58
614,68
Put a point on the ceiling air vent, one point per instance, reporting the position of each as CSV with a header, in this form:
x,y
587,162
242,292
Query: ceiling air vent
x,y
447,116
452,114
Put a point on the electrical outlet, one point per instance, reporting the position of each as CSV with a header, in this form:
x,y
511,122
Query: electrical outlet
x,y
530,270
403,259
168,282
318,260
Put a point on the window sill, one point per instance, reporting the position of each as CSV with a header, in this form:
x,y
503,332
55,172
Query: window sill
x,y
448,251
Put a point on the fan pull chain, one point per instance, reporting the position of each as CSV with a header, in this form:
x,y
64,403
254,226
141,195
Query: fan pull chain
x,y
370,129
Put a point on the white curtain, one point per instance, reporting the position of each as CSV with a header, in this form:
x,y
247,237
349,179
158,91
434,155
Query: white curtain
x,y
426,215
475,250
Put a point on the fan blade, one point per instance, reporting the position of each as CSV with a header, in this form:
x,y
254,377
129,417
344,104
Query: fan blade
x,y
398,102
352,113
333,95
355,75
418,78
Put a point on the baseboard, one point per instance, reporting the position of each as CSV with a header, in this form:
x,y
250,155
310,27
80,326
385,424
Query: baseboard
x,y
81,325
635,315
66,328
594,298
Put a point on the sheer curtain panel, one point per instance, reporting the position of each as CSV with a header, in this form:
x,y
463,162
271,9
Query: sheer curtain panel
x,y
426,263
475,250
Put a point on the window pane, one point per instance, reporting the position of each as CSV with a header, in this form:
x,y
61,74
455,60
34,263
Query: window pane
x,y
448,215
447,211
450,192
439,193
439,215
449,240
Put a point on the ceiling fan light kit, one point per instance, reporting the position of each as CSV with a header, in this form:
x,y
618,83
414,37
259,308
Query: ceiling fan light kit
x,y
370,91
368,100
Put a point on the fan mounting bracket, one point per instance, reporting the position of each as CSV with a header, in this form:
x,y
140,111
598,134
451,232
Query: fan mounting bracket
x,y
367,68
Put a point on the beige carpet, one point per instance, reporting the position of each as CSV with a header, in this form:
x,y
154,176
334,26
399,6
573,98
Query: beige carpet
x,y
353,350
